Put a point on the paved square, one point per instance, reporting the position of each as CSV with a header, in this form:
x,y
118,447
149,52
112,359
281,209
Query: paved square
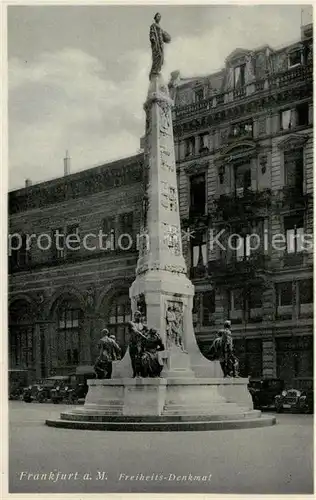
x,y
271,460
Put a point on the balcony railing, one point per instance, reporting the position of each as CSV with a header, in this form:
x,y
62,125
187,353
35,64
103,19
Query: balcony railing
x,y
231,207
230,266
292,197
298,74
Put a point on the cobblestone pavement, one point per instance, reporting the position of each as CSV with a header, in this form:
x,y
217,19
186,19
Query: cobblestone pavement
x,y
271,460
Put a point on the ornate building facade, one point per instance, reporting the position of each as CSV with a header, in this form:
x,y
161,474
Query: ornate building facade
x,y
244,151
61,293
244,145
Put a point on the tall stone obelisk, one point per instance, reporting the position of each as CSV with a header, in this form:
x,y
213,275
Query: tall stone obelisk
x,y
161,274
191,393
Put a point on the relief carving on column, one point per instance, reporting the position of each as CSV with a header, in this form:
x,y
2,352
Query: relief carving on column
x,y
166,159
168,197
164,118
174,324
171,238
143,243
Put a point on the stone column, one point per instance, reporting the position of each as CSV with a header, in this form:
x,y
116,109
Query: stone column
x,y
269,304
268,357
219,308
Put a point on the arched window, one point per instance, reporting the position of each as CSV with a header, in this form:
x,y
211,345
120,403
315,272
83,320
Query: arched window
x,y
69,317
120,315
21,335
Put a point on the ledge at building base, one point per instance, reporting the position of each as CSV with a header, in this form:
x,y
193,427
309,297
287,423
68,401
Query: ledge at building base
x,y
165,405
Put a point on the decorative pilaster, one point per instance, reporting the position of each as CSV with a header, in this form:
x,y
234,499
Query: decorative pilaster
x,y
268,358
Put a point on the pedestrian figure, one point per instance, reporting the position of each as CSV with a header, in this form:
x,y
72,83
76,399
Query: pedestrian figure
x,y
137,332
109,352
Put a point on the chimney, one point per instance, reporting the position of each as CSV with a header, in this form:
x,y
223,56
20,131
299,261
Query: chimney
x,y
28,183
66,164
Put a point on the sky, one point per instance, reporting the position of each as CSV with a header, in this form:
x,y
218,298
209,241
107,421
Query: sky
x,y
78,75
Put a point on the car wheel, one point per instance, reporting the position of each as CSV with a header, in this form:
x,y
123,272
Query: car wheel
x,y
55,401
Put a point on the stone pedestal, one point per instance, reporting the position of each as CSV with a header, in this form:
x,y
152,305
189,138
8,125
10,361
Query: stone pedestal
x,y
165,405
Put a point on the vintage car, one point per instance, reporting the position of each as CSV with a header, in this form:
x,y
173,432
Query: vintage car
x,y
41,390
263,391
295,400
18,380
75,389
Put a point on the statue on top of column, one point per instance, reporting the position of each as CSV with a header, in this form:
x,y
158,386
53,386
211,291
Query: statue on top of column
x,y
157,37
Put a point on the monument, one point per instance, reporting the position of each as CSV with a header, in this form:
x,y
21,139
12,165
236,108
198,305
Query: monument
x,y
188,392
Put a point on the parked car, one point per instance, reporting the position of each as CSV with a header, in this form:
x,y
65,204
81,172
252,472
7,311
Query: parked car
x,y
74,390
295,400
41,390
18,380
264,390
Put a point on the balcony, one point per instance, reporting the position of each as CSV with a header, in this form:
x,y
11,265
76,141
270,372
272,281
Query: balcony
x,y
245,206
292,198
249,266
298,74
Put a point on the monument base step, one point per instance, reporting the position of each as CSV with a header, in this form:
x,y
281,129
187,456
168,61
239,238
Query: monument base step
x,y
162,425
103,417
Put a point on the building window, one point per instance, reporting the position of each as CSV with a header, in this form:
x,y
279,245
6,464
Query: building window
x,y
68,336
199,95
239,76
284,294
294,117
244,129
254,308
197,195
20,257
199,254
208,304
72,242
21,336
119,317
108,229
306,298
284,300
126,225
236,305
58,243
287,119
294,228
203,143
189,146
302,112
242,245
306,291
294,169
242,179
294,58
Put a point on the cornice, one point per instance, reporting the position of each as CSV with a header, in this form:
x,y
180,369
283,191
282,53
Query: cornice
x,y
69,188
235,151
196,167
293,141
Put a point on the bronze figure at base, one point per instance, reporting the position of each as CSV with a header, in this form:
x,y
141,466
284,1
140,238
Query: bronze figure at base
x,y
144,346
222,350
